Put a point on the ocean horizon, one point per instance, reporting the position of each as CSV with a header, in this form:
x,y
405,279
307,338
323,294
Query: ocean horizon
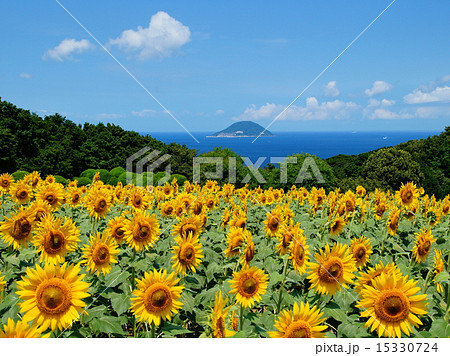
x,y
283,144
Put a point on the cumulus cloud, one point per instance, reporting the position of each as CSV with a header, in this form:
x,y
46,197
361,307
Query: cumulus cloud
x,y
66,49
381,113
25,75
418,96
378,87
313,110
163,36
144,113
219,112
331,90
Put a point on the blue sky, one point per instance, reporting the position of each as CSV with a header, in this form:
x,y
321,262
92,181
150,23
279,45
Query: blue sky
x,y
212,63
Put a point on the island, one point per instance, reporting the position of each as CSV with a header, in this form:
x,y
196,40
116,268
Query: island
x,y
243,129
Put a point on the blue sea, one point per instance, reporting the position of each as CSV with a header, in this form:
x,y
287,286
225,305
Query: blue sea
x,y
321,144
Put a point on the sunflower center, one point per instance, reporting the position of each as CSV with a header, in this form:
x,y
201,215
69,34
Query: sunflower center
x,y
360,253
424,248
143,231
189,229
249,286
392,306
169,210
100,206
53,296
298,329
21,229
22,194
186,254
299,253
54,242
50,199
220,327
157,297
5,183
100,254
273,224
75,198
119,232
286,240
331,270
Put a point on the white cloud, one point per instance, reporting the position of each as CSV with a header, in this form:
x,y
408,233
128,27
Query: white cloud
x,y
330,89
145,112
105,116
378,87
419,97
66,48
163,35
431,112
25,75
219,112
313,110
385,114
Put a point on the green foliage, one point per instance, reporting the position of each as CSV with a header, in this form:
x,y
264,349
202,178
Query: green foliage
x,y
117,171
160,178
83,181
104,175
61,180
18,175
89,173
180,179
113,180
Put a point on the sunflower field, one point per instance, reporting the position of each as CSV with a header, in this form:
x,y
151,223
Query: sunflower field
x,y
221,261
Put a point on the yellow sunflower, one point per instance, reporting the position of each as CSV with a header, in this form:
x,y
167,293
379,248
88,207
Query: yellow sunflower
x,y
336,226
187,225
239,220
139,199
360,191
235,240
438,268
20,192
187,254
54,239
100,254
392,305
21,329
5,182
168,208
157,297
2,283
366,278
116,228
334,269
274,222
407,194
249,285
38,209
17,229
74,197
52,193
361,250
287,235
248,251
98,203
52,296
422,247
299,253
301,322
142,230
218,317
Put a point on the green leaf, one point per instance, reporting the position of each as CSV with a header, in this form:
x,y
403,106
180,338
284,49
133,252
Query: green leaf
x,y
94,313
116,276
440,328
170,330
120,302
443,277
353,330
108,325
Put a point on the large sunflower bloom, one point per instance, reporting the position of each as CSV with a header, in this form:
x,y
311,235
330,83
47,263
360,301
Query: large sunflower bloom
x,y
116,228
218,317
391,304
235,240
367,278
39,209
98,202
17,229
52,296
392,223
187,225
407,194
53,194
142,230
249,285
20,192
100,254
287,235
422,248
54,238
274,222
187,254
301,322
361,250
336,226
334,269
157,297
299,253
21,329
5,182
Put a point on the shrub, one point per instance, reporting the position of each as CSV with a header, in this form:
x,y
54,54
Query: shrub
x,y
180,178
61,180
18,175
113,180
83,181
160,178
104,175
116,172
88,173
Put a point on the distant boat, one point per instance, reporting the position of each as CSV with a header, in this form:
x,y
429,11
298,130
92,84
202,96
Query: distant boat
x,y
384,137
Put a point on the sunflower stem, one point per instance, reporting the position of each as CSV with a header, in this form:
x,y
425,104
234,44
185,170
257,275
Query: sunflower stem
x,y
153,330
425,286
280,293
241,318
447,313
133,286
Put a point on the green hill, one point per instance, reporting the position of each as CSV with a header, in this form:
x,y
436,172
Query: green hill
x,y
243,129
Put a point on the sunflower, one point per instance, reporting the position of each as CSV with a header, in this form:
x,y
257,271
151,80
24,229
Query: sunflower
x,y
334,269
54,238
366,278
100,254
197,207
360,191
349,201
392,223
361,250
235,240
17,229
188,225
391,304
74,197
248,251
287,235
422,248
38,209
239,220
53,193
139,199
21,329
98,202
299,253
52,296
116,228
336,226
301,322
5,182
274,222
187,254
20,192
249,285
157,297
168,208
218,317
2,283
438,268
142,230
407,194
